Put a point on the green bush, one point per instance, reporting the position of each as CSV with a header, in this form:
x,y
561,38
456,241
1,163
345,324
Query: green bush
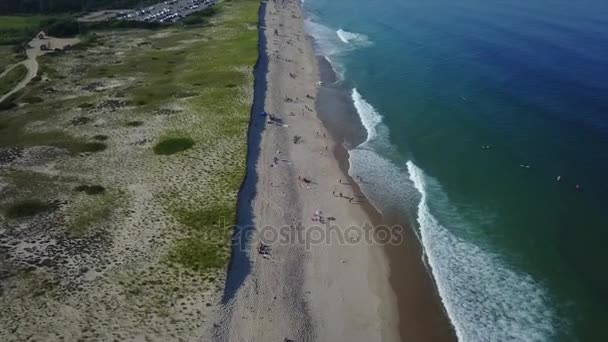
x,y
90,189
32,99
173,145
135,123
7,104
26,208
61,26
100,137
92,147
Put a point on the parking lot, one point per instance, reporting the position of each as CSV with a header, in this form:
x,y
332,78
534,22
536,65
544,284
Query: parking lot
x,y
166,12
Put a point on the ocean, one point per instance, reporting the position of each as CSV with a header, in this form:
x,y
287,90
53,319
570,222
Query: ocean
x,y
486,123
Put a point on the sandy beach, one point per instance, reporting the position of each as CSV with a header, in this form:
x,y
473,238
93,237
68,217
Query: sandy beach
x,y
296,281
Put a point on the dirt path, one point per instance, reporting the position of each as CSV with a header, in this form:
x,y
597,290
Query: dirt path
x,y
33,51
32,70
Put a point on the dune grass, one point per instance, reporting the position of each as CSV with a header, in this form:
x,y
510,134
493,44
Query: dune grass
x,y
12,78
87,214
206,72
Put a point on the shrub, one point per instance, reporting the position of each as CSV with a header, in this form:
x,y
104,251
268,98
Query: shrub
x,y
92,147
90,189
61,26
32,99
26,208
173,145
7,104
135,123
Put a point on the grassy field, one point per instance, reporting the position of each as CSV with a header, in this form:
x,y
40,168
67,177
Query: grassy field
x,y
8,56
12,78
127,154
18,29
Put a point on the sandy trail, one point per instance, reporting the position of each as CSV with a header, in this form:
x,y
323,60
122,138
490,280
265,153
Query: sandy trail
x,y
32,71
33,51
327,291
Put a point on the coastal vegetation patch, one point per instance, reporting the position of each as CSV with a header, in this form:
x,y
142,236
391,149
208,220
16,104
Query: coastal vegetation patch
x,y
130,225
173,145
90,189
26,208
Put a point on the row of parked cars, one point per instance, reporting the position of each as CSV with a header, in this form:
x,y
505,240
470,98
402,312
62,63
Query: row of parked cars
x,y
167,11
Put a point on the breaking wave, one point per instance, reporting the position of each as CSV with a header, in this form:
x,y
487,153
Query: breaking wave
x,y
353,38
486,300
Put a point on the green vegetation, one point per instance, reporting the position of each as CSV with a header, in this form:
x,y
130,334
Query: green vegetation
x,y
90,189
91,147
86,214
12,78
60,26
173,145
26,208
205,72
32,99
18,29
135,123
8,57
200,18
100,137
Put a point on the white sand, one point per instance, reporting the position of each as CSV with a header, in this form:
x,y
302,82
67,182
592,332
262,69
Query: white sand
x,y
331,292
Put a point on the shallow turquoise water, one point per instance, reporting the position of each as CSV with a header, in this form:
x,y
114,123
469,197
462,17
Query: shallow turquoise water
x,y
517,254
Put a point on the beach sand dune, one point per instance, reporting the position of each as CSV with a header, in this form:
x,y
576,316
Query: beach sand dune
x,y
325,291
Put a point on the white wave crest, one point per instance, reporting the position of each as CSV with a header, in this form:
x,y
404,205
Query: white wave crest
x,y
370,118
484,298
353,38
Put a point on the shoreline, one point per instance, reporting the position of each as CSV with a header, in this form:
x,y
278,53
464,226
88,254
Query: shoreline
x,y
297,291
421,312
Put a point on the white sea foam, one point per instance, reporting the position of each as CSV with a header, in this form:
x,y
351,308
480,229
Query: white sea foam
x,y
325,40
329,42
370,118
484,298
353,38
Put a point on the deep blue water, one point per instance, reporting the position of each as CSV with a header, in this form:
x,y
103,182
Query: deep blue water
x,y
517,254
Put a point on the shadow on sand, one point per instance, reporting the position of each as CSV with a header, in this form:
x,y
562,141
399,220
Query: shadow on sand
x,y
240,264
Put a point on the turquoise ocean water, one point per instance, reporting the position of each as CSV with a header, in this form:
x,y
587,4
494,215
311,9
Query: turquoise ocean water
x,y
473,110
